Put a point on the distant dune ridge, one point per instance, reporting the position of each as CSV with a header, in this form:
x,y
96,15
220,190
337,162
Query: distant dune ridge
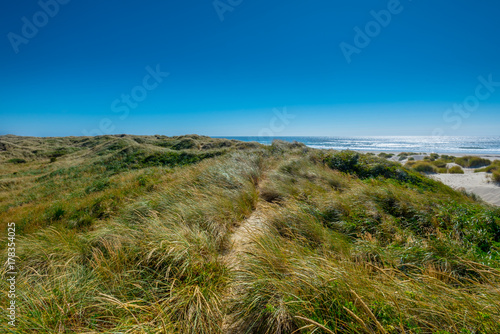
x,y
192,234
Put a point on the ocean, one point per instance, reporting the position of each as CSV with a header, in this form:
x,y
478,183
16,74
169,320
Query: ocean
x,y
418,144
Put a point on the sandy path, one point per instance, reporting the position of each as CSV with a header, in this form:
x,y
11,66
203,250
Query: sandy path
x,y
242,238
240,242
476,183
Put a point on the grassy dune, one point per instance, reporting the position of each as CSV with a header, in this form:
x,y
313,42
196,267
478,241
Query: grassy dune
x,y
132,234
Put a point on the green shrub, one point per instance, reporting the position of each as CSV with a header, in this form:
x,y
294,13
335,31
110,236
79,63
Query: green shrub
x,y
494,167
496,177
472,162
411,159
462,161
443,170
410,164
184,144
448,158
456,170
489,169
17,161
434,156
345,161
366,167
439,163
424,167
386,155
479,162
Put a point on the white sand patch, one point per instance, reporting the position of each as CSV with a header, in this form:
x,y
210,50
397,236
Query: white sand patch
x,y
477,183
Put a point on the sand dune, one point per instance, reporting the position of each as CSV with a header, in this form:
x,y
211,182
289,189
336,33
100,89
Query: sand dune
x,y
477,183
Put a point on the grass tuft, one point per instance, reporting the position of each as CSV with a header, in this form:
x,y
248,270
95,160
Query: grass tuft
x,y
472,162
456,170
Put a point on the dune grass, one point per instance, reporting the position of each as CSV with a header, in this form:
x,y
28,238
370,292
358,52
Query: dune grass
x,y
423,167
111,241
386,155
472,162
496,176
494,167
456,170
440,163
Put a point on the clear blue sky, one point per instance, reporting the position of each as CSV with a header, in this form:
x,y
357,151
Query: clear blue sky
x,y
230,76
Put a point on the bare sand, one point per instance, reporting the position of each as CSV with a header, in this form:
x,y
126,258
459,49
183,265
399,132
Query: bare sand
x,y
477,183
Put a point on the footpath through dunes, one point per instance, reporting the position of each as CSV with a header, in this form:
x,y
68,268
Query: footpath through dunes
x,y
242,238
240,243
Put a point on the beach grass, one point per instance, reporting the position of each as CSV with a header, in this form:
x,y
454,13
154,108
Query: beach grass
x,y
494,167
496,176
456,170
133,234
472,162
422,166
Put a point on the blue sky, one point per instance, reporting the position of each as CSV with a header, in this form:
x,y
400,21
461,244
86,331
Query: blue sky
x,y
231,69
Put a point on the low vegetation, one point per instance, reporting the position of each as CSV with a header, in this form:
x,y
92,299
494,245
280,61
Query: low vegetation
x,y
472,162
448,158
494,167
131,234
422,167
435,163
16,161
386,155
456,170
496,176
439,163
443,170
405,155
